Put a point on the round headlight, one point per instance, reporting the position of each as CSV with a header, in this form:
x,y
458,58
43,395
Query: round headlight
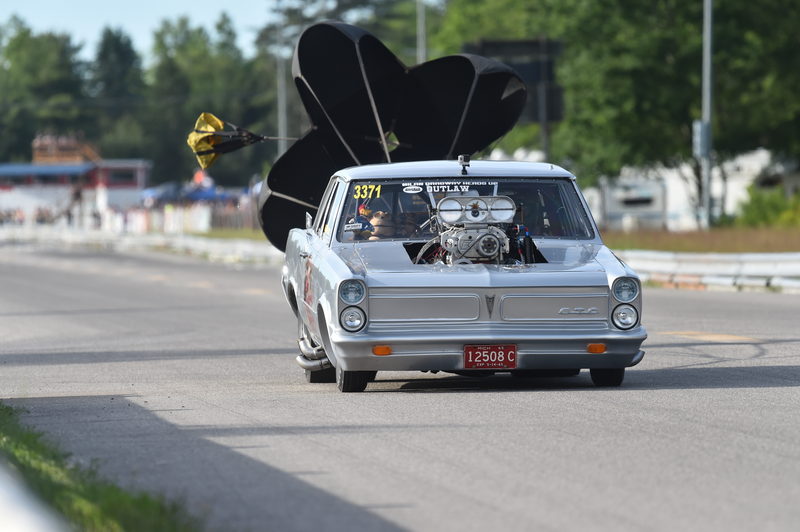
x,y
625,317
352,319
352,292
450,210
625,289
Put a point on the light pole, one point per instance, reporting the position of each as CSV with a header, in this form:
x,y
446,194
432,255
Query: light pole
x,y
422,38
283,144
541,89
705,157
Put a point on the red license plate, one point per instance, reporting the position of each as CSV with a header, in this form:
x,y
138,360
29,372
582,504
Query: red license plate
x,y
490,356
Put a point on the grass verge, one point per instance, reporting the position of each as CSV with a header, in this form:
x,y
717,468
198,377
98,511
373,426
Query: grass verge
x,y
246,234
721,240
85,501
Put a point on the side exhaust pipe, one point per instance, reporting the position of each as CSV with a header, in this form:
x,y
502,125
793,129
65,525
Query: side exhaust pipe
x,y
313,365
309,352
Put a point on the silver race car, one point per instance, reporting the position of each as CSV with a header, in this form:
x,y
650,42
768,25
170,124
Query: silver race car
x,y
470,268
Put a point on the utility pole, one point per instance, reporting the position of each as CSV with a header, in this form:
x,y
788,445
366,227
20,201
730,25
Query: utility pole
x,y
542,97
280,74
283,144
422,37
705,158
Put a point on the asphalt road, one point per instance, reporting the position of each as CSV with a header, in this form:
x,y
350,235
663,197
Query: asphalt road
x,y
176,376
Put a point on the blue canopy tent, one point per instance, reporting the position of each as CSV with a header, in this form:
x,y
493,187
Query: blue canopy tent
x,y
17,172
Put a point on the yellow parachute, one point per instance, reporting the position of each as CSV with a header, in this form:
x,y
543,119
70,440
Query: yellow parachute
x,y
210,139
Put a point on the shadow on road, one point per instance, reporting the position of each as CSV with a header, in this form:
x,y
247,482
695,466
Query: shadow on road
x,y
708,377
110,357
501,382
283,430
103,311
695,344
683,378
132,446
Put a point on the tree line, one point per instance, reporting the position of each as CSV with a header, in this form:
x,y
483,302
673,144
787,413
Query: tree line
x,y
630,71
127,110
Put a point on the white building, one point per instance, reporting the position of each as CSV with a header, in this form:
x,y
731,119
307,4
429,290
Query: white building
x,y
666,198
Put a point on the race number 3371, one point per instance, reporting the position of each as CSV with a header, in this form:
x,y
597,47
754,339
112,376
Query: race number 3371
x,y
490,356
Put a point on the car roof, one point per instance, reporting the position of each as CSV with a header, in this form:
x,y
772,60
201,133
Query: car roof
x,y
452,169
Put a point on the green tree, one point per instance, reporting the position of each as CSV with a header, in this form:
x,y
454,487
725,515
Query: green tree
x,y
392,21
769,208
631,73
196,72
756,77
395,24
632,85
168,122
116,85
630,94
41,88
290,17
468,21
116,79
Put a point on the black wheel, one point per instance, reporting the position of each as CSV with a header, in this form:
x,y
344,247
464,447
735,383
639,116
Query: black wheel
x,y
607,377
352,381
321,375
544,373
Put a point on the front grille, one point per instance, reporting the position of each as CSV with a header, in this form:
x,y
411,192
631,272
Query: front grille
x,y
525,308
505,329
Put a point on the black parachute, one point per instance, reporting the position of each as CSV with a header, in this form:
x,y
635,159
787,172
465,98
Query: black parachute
x,y
367,107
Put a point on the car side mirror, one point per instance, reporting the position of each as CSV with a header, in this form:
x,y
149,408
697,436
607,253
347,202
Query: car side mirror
x,y
309,221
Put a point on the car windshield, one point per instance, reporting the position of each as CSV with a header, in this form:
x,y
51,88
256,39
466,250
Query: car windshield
x,y
401,210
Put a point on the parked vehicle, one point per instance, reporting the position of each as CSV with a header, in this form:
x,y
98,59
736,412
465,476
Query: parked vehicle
x,y
471,268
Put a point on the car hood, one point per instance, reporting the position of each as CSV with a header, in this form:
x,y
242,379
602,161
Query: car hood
x,y
387,264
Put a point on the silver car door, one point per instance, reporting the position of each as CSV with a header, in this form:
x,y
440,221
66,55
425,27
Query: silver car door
x,y
315,252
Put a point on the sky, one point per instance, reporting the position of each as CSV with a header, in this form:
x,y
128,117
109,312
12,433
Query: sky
x,y
84,20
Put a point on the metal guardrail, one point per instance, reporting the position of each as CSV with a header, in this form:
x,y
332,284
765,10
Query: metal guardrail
x,y
779,271
218,250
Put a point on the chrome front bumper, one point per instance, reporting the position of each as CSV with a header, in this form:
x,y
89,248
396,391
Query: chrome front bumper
x,y
444,351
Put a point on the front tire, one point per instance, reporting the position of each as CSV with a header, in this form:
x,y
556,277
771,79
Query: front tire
x,y
607,377
352,381
326,375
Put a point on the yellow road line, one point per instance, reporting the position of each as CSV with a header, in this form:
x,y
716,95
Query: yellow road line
x,y
255,292
711,337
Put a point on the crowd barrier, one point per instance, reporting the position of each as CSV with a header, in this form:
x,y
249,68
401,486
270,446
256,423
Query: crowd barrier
x,y
170,219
